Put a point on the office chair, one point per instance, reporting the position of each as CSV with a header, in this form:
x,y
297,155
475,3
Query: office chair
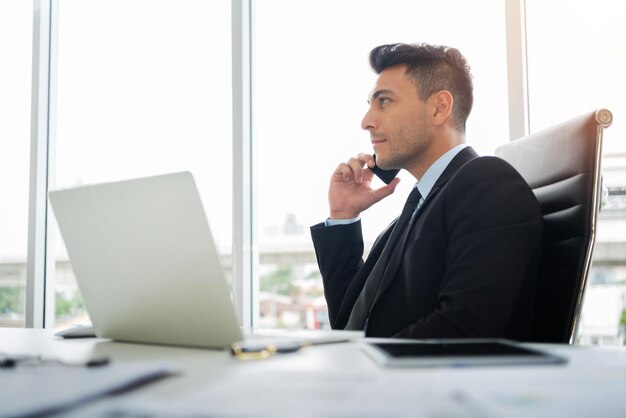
x,y
562,166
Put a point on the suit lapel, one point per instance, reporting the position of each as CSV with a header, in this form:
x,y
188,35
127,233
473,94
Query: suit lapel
x,y
465,155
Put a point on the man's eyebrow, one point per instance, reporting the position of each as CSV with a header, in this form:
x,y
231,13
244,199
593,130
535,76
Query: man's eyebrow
x,y
378,93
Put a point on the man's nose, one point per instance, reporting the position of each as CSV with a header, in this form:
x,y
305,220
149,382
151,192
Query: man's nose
x,y
368,121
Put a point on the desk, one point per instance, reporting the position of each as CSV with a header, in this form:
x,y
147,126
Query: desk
x,y
339,380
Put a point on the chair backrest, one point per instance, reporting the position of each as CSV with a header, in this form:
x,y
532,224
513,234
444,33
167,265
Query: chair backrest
x,y
562,166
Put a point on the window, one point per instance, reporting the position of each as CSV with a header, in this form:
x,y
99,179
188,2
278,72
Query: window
x,y
575,70
310,82
144,88
16,22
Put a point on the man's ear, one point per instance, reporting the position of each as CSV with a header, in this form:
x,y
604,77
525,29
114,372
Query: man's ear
x,y
443,103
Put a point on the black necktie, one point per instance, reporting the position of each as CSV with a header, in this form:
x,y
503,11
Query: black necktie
x,y
363,304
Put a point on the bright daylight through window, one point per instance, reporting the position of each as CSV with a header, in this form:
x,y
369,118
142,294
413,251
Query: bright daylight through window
x,y
571,72
134,103
16,17
309,95
144,87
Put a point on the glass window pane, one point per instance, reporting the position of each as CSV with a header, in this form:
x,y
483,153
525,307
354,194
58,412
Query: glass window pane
x,y
144,88
311,79
16,27
573,70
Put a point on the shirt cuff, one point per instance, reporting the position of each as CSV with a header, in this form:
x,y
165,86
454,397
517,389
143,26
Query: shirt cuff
x,y
333,222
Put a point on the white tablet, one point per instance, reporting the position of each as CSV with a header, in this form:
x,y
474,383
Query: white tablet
x,y
456,353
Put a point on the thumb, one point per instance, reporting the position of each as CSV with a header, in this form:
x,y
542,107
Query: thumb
x,y
385,191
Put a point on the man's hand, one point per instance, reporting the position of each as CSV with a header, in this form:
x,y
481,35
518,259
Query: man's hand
x,y
350,190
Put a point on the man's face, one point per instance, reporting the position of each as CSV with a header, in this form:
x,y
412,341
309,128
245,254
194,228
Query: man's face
x,y
397,121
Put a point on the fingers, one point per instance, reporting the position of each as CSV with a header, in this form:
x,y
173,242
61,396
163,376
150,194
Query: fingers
x,y
353,169
367,159
386,190
350,191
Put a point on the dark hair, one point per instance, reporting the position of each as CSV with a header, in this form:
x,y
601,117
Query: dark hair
x,y
433,68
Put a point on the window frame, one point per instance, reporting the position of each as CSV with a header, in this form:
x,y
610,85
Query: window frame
x,y
39,306
39,300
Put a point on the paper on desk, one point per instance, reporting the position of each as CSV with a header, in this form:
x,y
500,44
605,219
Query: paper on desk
x,y
288,394
35,390
573,394
513,392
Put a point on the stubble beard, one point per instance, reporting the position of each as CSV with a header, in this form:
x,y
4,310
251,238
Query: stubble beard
x,y
407,151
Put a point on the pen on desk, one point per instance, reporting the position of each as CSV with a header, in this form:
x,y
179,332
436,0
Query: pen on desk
x,y
9,362
254,351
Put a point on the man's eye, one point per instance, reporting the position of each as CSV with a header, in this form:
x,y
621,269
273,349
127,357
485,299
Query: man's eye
x,y
383,101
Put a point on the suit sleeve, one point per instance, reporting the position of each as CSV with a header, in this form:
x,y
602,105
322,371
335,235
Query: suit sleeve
x,y
493,227
339,252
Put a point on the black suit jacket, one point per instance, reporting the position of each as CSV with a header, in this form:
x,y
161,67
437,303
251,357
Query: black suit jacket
x,y
465,268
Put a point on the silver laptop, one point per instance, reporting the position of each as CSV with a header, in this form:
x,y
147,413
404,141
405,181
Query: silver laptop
x,y
146,264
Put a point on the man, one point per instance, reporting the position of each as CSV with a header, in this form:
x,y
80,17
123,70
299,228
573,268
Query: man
x,y
461,265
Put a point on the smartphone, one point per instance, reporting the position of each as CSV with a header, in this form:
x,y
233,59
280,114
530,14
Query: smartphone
x,y
385,175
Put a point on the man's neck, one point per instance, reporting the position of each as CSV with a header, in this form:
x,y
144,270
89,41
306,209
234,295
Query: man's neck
x,y
430,177
440,147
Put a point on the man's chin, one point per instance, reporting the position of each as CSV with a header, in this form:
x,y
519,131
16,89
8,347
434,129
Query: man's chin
x,y
385,164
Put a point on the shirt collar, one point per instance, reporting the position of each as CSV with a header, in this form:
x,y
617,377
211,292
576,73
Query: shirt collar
x,y
426,183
